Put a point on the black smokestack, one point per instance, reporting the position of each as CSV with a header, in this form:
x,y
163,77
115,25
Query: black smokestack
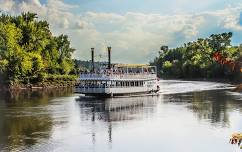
x,y
92,51
109,57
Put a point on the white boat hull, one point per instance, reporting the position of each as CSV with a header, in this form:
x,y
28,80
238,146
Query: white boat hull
x,y
114,91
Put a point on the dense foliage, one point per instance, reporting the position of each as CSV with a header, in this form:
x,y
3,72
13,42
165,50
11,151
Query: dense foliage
x,y
197,59
29,52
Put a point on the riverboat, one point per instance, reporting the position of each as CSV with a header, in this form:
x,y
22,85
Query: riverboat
x,y
118,79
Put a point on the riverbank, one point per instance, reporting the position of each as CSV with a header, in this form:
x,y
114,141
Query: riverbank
x,y
39,86
48,82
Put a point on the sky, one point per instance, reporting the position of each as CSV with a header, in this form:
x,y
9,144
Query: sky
x,y
135,29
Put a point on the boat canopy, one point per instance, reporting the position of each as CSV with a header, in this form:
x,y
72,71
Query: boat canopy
x,y
133,66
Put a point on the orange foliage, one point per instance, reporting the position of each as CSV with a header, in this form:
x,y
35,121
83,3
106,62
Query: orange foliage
x,y
217,56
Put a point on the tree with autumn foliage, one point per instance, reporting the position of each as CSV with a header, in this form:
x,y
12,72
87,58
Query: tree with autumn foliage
x,y
212,57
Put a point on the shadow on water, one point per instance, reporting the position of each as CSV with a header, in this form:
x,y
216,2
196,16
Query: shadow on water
x,y
24,118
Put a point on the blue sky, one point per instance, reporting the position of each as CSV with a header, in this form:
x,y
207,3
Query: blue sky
x,y
149,6
134,28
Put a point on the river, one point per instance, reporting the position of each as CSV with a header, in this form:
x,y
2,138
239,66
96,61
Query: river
x,y
187,116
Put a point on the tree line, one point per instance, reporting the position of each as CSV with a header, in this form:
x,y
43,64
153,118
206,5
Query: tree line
x,y
29,52
212,57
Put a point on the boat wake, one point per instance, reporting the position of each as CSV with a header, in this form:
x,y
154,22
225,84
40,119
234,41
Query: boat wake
x,y
177,86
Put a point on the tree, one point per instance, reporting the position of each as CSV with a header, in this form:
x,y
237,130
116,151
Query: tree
x,y
196,58
65,51
28,50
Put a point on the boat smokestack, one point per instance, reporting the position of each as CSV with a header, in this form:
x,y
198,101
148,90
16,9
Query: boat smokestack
x,y
109,57
92,54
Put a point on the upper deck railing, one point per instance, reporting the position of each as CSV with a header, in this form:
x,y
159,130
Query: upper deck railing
x,y
115,76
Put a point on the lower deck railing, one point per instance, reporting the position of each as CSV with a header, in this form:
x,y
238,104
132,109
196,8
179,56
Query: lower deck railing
x,y
117,76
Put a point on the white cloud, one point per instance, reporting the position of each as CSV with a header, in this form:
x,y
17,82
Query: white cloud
x,y
55,11
135,37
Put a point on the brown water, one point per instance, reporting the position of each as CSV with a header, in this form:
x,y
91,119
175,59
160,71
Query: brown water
x,y
186,117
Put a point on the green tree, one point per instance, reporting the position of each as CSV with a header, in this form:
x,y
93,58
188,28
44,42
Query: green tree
x,y
196,59
28,50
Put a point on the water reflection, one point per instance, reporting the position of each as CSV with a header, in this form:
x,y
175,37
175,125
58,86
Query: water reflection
x,y
25,119
58,120
116,109
112,110
212,106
